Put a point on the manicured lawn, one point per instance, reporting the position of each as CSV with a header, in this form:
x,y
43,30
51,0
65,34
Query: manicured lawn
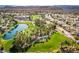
x,y
51,46
34,17
6,44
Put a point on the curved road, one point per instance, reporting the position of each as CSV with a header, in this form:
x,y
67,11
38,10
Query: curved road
x,y
66,33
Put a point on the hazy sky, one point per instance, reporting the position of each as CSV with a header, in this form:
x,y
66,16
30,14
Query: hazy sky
x,y
39,2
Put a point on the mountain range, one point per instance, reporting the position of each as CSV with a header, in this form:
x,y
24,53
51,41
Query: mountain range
x,y
63,7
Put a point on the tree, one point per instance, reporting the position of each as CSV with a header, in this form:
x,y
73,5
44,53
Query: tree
x,y
68,47
22,41
40,23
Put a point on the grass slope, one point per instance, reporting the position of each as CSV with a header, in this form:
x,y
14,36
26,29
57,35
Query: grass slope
x,y
51,46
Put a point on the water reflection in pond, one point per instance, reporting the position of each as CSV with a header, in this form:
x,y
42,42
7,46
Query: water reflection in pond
x,y
12,33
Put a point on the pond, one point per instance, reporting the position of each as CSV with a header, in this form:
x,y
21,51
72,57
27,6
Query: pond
x,y
12,33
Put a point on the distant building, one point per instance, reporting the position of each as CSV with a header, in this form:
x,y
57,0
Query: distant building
x,y
78,34
22,18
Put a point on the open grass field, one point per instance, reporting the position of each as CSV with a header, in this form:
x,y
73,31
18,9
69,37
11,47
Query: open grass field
x,y
51,46
34,17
